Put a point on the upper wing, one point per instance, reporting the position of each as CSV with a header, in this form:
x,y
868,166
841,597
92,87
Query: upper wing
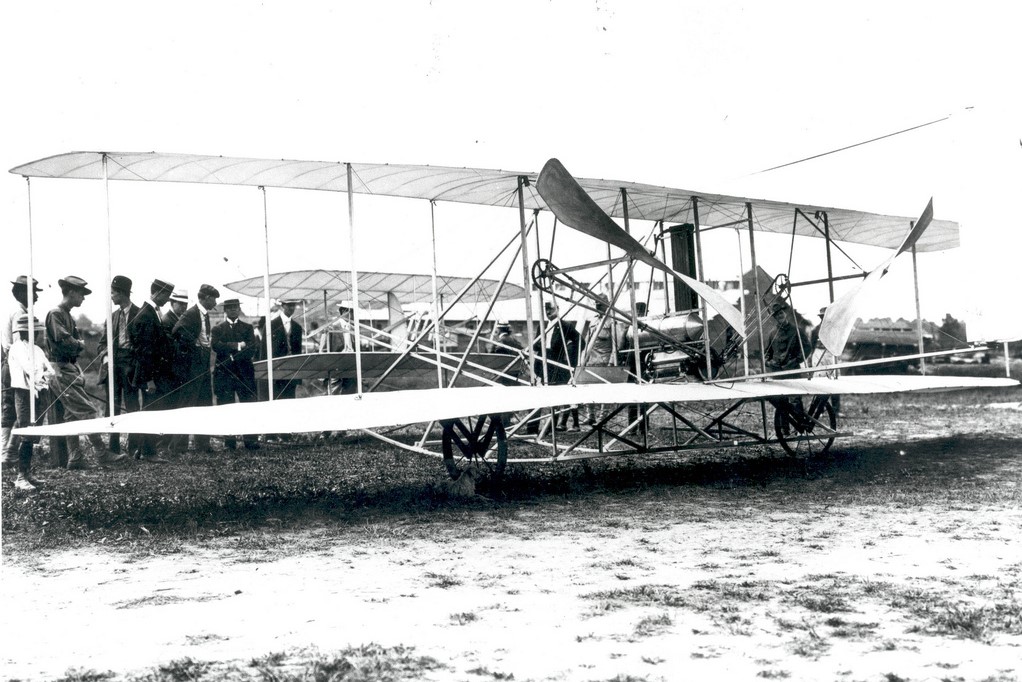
x,y
485,187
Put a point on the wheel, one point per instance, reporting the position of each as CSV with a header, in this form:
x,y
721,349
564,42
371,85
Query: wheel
x,y
781,286
541,275
476,442
813,436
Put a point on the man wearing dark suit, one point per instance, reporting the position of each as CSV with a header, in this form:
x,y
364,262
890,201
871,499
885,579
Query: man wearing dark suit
x,y
193,337
172,396
286,337
121,370
235,345
153,358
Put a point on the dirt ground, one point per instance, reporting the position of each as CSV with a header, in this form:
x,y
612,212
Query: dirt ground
x,y
904,576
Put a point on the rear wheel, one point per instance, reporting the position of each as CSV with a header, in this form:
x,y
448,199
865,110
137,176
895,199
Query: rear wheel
x,y
477,443
806,432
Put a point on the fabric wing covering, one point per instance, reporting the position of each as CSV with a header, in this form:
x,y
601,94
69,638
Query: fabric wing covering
x,y
490,188
373,287
376,410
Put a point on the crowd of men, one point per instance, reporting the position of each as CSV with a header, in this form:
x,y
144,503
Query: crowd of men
x,y
165,354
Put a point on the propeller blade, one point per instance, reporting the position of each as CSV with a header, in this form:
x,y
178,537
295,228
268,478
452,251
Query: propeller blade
x,y
841,314
576,209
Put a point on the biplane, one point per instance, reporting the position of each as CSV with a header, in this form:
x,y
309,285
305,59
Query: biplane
x,y
691,377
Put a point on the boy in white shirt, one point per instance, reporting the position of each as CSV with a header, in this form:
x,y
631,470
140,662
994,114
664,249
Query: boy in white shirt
x,y
30,380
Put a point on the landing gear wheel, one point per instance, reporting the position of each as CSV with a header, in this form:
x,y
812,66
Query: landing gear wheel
x,y
478,443
810,436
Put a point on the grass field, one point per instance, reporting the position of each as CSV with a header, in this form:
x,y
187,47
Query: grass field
x,y
896,556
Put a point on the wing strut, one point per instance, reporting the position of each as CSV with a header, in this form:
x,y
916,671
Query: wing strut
x,y
576,209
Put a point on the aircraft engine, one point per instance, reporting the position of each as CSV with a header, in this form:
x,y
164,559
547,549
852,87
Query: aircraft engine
x,y
682,327
663,361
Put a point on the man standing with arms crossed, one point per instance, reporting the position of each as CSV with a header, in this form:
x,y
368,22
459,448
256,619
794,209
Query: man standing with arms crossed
x,y
235,346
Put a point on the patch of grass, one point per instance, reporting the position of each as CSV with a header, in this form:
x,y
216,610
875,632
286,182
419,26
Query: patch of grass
x,y
464,618
960,619
774,674
268,661
653,625
811,646
747,590
79,675
367,663
182,670
486,672
662,595
849,629
441,580
827,603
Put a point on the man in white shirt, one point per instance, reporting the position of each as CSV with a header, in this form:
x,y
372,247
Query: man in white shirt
x,y
19,290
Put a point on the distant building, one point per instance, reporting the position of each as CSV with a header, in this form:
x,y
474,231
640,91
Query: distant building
x,y
884,338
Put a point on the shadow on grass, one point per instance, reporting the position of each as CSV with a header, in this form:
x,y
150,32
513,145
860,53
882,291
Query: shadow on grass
x,y
299,485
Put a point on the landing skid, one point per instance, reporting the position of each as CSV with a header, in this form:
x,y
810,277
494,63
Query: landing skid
x,y
486,444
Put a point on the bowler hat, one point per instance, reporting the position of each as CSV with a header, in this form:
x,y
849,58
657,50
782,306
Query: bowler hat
x,y
75,283
231,301
22,324
22,281
159,285
121,283
823,311
209,290
180,295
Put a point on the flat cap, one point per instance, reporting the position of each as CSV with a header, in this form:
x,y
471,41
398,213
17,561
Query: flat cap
x,y
209,290
160,285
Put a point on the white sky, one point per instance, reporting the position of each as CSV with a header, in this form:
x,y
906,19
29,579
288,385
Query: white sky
x,y
693,95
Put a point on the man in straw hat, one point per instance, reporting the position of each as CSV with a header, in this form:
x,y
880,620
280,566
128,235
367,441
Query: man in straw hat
x,y
175,364
19,289
178,306
71,402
